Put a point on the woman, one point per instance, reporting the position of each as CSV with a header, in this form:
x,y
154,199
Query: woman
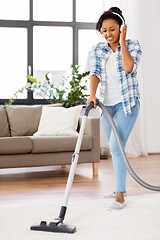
x,y
113,66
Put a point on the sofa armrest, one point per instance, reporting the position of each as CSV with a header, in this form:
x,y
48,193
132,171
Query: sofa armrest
x,y
92,129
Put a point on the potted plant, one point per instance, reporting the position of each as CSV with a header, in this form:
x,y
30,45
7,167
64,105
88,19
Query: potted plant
x,y
77,90
73,90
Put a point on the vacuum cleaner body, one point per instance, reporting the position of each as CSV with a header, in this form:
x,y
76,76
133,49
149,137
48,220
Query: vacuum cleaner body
x,y
57,225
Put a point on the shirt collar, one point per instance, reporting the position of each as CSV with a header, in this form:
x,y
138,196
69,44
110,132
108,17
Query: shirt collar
x,y
106,47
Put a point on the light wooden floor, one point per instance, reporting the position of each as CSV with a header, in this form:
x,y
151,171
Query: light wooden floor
x,y
17,184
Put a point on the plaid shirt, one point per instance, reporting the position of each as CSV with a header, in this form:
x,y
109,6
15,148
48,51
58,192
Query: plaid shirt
x,y
128,82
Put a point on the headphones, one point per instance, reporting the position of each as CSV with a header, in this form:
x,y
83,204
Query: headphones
x,y
123,21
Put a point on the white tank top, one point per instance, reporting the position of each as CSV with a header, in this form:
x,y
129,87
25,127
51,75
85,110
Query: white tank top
x,y
112,91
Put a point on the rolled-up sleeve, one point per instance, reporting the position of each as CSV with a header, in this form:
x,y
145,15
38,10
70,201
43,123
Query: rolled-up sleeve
x,y
95,63
136,53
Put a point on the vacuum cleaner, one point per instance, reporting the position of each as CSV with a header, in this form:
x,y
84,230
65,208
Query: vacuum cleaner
x,y
57,225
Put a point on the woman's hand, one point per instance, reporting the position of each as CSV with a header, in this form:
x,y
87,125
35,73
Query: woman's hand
x,y
123,34
91,99
127,60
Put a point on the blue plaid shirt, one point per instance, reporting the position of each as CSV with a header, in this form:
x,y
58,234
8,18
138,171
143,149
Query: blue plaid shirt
x,y
128,82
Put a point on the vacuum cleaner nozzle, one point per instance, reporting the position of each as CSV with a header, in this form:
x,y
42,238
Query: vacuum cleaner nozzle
x,y
56,226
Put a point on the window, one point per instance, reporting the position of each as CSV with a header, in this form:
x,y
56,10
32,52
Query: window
x,y
89,11
43,41
14,9
13,49
60,10
86,38
52,48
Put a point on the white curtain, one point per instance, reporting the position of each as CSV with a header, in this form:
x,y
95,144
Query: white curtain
x,y
136,145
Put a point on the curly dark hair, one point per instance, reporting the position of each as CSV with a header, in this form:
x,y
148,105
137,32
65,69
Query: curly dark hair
x,y
109,15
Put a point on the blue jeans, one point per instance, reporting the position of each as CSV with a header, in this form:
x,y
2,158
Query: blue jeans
x,y
124,124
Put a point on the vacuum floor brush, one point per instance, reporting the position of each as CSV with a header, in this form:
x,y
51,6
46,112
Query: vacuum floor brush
x,y
57,225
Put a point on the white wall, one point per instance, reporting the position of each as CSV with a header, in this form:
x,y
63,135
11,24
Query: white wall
x,y
143,21
148,25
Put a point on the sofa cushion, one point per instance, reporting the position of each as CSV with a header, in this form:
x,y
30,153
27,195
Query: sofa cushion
x,y
59,121
4,126
15,145
23,120
48,144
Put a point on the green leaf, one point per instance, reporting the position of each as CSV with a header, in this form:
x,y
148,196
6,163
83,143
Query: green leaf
x,y
32,79
46,76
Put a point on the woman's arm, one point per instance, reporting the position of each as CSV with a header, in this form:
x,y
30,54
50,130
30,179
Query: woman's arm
x,y
127,60
93,88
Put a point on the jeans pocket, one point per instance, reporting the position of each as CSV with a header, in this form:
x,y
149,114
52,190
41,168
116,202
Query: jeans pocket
x,y
137,101
135,108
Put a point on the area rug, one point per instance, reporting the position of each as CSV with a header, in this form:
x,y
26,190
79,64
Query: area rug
x,y
140,220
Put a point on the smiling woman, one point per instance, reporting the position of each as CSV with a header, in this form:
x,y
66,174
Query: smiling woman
x,y
110,33
114,67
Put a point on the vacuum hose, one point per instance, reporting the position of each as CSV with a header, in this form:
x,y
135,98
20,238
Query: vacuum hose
x,y
121,148
57,225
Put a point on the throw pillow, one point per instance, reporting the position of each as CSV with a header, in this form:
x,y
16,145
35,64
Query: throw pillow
x,y
59,121
4,126
23,120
